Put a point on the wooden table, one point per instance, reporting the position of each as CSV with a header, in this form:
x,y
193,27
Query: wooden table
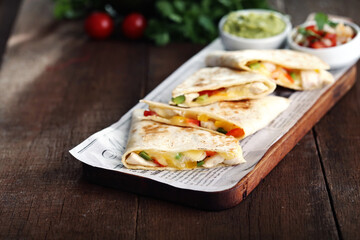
x,y
57,88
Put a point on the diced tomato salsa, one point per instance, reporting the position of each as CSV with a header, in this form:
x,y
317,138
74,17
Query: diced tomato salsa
x,y
312,37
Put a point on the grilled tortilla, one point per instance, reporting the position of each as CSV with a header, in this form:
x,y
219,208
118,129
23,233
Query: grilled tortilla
x,y
209,85
156,146
290,69
238,119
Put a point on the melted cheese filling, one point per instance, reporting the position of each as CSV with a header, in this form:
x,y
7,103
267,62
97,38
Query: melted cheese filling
x,y
184,160
179,118
248,90
286,77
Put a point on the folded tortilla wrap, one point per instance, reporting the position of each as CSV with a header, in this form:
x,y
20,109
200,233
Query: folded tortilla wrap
x,y
290,69
238,119
209,85
157,146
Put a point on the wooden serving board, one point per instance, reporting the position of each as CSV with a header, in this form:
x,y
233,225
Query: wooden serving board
x,y
233,196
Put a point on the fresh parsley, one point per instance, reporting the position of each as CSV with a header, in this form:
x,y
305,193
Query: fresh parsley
x,y
72,9
321,19
179,20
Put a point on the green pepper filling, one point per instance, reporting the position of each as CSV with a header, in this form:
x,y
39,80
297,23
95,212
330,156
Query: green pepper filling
x,y
178,156
145,156
199,164
295,76
202,98
179,99
255,66
221,130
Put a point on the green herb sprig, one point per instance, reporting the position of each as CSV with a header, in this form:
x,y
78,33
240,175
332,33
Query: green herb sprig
x,y
72,9
321,19
178,20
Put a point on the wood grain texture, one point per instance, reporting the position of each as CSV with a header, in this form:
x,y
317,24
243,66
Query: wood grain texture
x,y
338,138
60,88
273,211
338,133
57,88
165,60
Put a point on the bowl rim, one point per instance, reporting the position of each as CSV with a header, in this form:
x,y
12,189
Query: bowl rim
x,y
292,43
284,17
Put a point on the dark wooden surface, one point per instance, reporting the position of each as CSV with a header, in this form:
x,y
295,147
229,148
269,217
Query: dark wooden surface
x,y
53,96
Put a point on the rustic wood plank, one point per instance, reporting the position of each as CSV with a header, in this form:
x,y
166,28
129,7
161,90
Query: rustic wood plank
x,y
43,114
165,60
338,136
284,206
60,88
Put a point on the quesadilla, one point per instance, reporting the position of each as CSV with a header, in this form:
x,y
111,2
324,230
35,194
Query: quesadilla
x,y
238,119
209,85
153,146
290,69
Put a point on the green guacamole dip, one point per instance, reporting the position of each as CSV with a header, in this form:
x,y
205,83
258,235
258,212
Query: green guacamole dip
x,y
254,25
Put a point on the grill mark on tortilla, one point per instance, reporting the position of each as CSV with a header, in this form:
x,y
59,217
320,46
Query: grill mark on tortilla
x,y
154,129
201,82
243,104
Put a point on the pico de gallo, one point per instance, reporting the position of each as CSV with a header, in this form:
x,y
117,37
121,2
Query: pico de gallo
x,y
324,33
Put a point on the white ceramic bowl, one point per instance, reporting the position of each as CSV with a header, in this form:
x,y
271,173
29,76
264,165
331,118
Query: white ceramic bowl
x,y
232,42
338,56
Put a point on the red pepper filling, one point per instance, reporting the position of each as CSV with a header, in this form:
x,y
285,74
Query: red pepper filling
x,y
211,92
156,161
236,132
193,121
210,153
149,113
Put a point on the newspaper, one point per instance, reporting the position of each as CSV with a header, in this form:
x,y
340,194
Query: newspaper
x,y
104,149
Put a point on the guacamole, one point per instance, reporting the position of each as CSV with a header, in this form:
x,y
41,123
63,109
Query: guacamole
x,y
254,25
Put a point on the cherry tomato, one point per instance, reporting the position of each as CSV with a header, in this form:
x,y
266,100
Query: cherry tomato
x,y
99,25
134,25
